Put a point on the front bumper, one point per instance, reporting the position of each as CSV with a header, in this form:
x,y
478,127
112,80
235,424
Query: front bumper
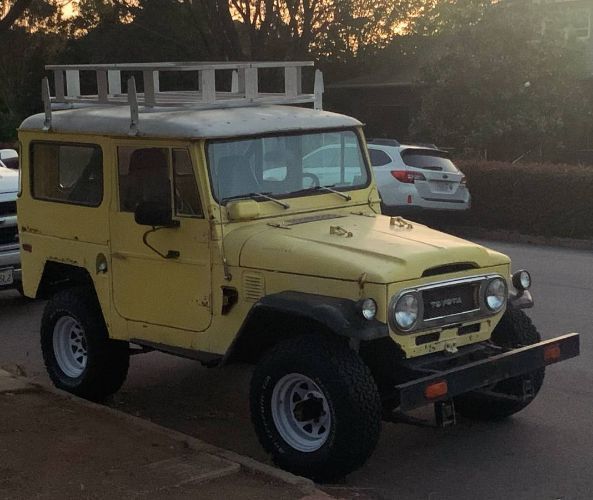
x,y
466,375
10,259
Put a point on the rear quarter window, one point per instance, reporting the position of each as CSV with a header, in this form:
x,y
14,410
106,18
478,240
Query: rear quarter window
x,y
11,163
379,158
428,160
67,173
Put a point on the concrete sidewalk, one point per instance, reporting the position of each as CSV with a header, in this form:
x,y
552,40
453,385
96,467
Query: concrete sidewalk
x,y
53,445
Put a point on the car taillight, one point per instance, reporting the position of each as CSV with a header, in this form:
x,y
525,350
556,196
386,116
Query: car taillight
x,y
407,176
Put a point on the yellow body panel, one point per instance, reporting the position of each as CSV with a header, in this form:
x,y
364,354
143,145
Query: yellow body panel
x,y
351,252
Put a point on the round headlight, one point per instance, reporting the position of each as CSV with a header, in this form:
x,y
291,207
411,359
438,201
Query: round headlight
x,y
406,311
522,280
368,309
496,294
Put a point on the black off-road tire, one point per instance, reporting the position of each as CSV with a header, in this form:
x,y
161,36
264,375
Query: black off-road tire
x,y
107,360
514,330
352,397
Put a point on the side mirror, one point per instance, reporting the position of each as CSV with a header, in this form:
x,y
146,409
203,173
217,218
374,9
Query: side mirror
x,y
153,213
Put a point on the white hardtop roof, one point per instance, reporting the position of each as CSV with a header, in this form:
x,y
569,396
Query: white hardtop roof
x,y
189,123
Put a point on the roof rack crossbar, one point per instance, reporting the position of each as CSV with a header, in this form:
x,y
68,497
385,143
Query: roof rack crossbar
x,y
244,89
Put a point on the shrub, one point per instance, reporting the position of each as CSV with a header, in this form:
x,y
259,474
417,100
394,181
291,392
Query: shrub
x,y
537,199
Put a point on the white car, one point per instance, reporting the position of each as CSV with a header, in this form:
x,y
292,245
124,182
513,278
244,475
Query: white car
x,y
418,177
9,158
10,262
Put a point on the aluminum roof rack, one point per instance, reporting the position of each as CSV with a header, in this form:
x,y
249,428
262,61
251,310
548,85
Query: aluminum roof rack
x,y
243,91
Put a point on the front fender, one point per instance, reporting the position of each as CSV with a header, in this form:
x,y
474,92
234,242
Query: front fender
x,y
283,315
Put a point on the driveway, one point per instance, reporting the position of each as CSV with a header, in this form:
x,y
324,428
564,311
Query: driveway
x,y
545,452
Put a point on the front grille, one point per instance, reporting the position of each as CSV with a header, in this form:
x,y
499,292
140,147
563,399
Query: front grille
x,y
9,235
8,208
450,300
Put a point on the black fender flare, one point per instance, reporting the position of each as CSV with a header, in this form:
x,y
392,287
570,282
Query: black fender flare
x,y
339,316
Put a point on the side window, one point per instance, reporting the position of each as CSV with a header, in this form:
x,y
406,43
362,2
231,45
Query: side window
x,y
187,198
378,157
67,173
143,177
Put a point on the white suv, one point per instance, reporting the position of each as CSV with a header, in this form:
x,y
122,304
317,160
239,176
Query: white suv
x,y
10,262
417,177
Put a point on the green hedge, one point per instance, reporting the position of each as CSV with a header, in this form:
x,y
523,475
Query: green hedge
x,y
535,199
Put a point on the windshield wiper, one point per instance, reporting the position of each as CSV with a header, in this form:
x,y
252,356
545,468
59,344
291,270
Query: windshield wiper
x,y
329,189
252,196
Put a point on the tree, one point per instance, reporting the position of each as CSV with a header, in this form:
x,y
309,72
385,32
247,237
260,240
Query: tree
x,y
292,29
30,39
14,12
499,85
440,17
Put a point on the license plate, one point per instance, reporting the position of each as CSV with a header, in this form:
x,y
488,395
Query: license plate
x,y
6,277
442,187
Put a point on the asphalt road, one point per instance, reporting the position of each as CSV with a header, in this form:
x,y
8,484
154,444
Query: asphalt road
x,y
545,452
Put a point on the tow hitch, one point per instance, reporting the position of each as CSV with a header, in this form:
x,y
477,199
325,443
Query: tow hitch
x,y
444,416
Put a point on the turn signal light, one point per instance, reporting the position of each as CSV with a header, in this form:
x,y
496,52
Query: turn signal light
x,y
552,353
436,390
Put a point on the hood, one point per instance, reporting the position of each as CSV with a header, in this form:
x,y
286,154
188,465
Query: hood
x,y
9,180
345,246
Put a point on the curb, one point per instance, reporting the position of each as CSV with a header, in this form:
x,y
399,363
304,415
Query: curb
x,y
304,485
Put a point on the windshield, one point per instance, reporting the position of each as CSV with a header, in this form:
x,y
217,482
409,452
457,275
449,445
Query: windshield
x,y
286,165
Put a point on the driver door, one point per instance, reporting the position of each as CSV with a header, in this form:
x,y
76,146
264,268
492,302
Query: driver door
x,y
161,276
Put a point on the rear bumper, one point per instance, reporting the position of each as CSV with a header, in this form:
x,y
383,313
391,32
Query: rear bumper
x,y
10,256
472,375
400,196
17,279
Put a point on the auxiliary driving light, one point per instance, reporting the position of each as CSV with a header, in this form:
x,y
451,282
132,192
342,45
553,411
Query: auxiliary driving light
x,y
522,280
368,309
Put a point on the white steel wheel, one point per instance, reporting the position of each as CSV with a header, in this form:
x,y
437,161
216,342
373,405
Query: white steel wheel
x,y
301,412
70,346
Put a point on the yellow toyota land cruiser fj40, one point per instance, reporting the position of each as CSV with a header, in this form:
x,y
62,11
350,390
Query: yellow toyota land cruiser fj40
x,y
233,226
